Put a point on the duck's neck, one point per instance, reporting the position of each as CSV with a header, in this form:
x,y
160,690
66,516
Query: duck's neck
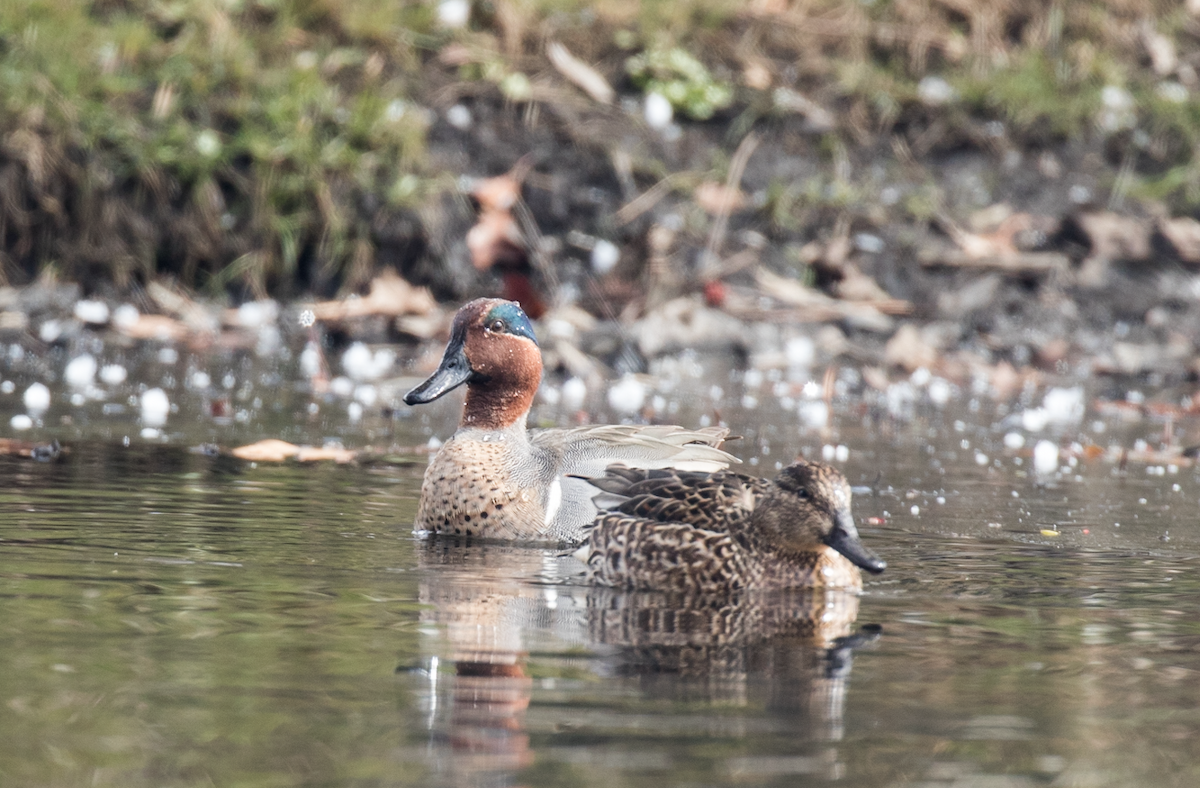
x,y
497,406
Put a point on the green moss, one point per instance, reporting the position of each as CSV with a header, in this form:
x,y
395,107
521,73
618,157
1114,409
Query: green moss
x,y
680,78
1036,90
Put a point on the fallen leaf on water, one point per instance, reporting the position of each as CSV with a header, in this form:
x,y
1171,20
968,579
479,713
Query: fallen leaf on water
x,y
275,450
315,454
269,450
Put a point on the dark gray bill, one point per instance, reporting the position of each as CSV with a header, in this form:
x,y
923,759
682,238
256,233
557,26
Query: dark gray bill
x,y
454,371
844,539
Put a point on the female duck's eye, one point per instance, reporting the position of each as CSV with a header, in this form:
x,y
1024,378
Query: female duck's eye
x,y
496,326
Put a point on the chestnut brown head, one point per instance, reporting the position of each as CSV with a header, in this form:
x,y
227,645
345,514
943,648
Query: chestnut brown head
x,y
493,350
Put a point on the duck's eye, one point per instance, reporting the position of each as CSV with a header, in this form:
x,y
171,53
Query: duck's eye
x,y
496,326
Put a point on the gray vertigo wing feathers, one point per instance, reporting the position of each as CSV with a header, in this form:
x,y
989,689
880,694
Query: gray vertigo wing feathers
x,y
587,451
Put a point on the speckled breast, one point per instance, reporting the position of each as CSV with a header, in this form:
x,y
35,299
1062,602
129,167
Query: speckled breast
x,y
826,569
468,491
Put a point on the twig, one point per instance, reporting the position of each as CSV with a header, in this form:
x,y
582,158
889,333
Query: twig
x,y
646,200
716,236
1019,263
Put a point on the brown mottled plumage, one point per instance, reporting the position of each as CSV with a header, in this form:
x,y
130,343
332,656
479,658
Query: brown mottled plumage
x,y
723,531
493,479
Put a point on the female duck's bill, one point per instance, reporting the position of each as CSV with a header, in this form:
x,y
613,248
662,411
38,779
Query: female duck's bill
x,y
489,315
844,539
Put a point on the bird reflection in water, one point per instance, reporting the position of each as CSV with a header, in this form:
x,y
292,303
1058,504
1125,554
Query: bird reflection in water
x,y
490,603
789,653
791,650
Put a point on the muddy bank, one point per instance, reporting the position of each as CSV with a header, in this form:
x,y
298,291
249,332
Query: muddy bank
x,y
980,194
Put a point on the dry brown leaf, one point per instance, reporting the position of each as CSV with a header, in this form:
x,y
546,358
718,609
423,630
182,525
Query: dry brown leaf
x,y
1115,237
978,246
1006,380
857,286
909,350
155,327
495,238
275,450
196,316
12,320
817,306
1183,234
390,295
502,192
876,378
1002,247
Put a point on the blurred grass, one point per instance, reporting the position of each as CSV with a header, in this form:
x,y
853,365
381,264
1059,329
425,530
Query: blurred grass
x,y
250,143
247,131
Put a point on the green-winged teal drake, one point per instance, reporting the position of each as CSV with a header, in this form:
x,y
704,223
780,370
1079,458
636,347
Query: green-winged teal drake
x,y
671,530
495,480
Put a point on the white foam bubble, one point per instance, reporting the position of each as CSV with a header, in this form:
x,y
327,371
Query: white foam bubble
x,y
113,374
1045,457
95,312
454,14
80,371
627,395
657,111
1014,440
574,392
36,398
155,406
605,256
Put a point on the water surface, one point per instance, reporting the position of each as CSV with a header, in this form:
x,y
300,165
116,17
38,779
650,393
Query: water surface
x,y
172,618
